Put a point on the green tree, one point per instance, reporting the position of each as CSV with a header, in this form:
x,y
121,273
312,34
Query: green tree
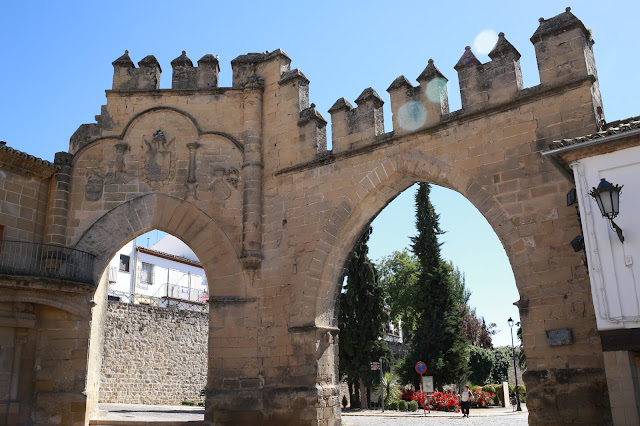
x,y
361,320
500,371
438,339
398,276
481,364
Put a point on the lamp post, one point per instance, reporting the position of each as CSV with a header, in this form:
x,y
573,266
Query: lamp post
x,y
515,371
607,196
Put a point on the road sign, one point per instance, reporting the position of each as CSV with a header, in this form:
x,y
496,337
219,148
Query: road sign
x,y
421,367
427,383
375,365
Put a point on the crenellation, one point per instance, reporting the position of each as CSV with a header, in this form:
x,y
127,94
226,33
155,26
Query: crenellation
x,y
269,66
149,71
184,74
207,72
124,73
352,127
127,77
491,83
564,48
313,134
415,108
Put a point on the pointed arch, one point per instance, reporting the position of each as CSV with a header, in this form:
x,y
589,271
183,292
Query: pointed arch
x,y
361,205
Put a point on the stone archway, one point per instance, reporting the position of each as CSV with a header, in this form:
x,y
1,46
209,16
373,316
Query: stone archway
x,y
179,218
243,175
390,178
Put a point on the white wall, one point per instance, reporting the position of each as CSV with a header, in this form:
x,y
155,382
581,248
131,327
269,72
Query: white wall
x,y
176,273
614,268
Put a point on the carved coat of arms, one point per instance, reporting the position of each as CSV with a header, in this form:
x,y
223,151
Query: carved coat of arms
x,y
95,184
159,161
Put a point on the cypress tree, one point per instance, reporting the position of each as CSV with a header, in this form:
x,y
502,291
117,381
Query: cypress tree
x,y
438,340
362,320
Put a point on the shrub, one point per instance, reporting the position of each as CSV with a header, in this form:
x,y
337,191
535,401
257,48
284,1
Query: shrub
x,y
344,401
482,399
187,403
406,393
438,401
412,406
393,405
402,405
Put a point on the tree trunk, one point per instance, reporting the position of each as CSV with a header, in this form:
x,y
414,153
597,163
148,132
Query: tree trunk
x,y
354,394
364,404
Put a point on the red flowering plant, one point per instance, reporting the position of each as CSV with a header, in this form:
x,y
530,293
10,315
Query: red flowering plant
x,y
482,399
406,393
437,401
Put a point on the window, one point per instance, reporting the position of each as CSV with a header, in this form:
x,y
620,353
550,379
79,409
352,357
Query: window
x,y
146,273
124,263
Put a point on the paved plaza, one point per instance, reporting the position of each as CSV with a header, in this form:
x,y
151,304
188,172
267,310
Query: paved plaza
x,y
123,414
480,417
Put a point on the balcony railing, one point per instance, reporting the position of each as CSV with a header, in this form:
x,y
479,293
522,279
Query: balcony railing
x,y
45,260
165,301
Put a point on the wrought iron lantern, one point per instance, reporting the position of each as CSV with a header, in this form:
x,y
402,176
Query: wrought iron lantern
x,y
607,196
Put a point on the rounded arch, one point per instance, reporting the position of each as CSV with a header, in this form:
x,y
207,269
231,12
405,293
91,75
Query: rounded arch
x,y
198,230
141,114
59,300
383,183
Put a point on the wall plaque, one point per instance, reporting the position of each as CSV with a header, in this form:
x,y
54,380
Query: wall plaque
x,y
559,337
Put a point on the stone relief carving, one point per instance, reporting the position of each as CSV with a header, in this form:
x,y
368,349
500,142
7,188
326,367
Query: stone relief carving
x,y
120,171
224,182
233,176
191,185
95,184
159,162
98,177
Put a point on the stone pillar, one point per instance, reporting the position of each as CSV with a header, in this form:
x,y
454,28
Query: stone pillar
x,y
58,205
624,386
252,174
20,340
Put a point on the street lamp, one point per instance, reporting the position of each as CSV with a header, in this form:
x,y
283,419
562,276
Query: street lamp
x,y
515,371
607,196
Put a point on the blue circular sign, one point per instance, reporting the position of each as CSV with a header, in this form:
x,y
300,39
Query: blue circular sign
x,y
421,367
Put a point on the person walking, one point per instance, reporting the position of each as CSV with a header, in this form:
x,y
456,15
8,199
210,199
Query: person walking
x,y
465,401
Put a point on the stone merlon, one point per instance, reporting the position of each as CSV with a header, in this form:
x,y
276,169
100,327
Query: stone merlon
x,y
341,104
150,61
430,72
398,83
467,60
558,24
123,61
368,94
182,61
293,75
503,48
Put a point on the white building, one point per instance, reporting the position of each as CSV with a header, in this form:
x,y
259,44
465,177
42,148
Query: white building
x,y
613,260
166,274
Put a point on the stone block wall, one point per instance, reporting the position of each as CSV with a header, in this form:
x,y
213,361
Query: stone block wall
x,y
153,355
23,195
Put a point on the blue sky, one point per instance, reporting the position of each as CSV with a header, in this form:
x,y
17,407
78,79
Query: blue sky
x,y
56,64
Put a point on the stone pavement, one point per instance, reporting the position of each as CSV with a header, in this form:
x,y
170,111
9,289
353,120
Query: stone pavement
x,y
169,415
495,416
